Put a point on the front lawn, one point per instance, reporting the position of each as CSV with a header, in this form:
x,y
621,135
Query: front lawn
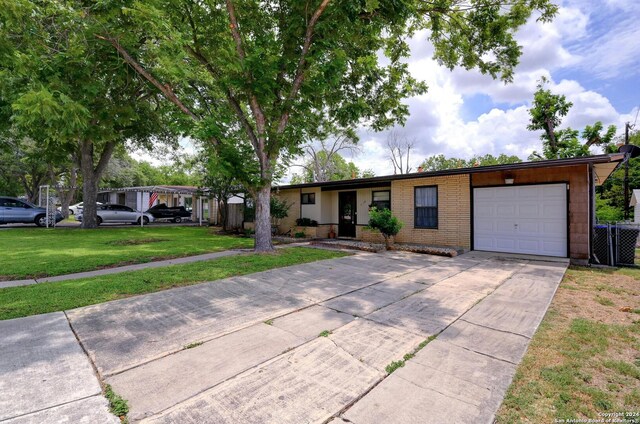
x,y
39,252
584,361
41,298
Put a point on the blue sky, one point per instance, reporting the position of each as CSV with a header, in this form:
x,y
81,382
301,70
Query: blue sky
x,y
590,53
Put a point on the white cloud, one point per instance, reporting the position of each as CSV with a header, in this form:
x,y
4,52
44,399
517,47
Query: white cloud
x,y
578,38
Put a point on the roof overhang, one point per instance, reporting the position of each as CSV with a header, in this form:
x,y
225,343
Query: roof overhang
x,y
605,163
602,171
154,189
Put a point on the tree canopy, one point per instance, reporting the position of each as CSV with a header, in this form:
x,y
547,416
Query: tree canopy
x,y
252,78
69,92
325,167
547,112
441,162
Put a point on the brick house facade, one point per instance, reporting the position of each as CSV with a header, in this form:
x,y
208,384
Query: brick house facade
x,y
458,215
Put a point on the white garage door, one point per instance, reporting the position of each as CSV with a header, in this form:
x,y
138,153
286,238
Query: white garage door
x,y
521,219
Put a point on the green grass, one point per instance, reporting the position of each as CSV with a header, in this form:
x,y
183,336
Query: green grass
x,y
41,298
324,333
583,361
604,301
394,365
117,405
194,344
39,252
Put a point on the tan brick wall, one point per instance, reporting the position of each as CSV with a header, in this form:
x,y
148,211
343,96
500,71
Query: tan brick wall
x,y
578,178
292,197
370,236
454,211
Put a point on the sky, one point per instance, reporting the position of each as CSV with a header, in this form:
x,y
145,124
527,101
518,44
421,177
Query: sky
x,y
590,52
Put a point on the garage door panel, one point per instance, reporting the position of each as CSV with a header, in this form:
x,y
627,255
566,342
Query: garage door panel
x,y
559,228
505,243
528,245
526,192
485,195
505,227
484,243
554,191
484,211
521,219
499,195
554,248
505,211
530,228
529,210
486,228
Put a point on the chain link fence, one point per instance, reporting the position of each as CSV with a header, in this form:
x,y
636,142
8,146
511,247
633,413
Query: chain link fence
x,y
47,200
616,244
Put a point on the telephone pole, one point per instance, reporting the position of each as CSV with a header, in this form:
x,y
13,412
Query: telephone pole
x,y
626,174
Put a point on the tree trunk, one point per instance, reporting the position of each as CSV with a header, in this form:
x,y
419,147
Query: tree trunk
x,y
91,178
224,214
263,219
388,241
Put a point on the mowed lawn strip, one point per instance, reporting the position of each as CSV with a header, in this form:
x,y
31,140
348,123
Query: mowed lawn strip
x,y
584,361
39,252
42,298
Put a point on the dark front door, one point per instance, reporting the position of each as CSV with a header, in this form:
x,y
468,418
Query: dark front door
x,y
347,214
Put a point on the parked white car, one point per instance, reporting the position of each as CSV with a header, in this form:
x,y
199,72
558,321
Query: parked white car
x,y
110,213
77,208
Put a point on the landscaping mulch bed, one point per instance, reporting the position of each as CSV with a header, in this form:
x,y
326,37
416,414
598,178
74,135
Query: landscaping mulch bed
x,y
379,247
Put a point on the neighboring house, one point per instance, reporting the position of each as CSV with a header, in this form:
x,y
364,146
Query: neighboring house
x,y
635,203
540,208
144,197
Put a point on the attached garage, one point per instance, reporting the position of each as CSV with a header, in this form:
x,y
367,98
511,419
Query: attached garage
x,y
544,208
529,219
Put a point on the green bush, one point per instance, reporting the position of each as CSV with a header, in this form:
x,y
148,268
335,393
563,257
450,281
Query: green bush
x,y
306,222
606,212
384,221
300,234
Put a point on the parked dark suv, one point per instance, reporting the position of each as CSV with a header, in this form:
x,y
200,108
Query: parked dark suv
x,y
18,211
176,213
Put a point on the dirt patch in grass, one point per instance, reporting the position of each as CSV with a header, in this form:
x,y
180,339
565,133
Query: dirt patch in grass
x,y
135,242
584,360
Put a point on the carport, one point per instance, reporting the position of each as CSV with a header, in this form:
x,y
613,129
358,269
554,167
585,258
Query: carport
x,y
144,197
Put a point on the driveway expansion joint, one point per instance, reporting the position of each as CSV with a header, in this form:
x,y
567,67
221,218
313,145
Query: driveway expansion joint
x,y
36,411
491,328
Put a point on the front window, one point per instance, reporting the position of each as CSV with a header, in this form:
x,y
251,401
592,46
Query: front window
x,y
308,199
426,207
381,199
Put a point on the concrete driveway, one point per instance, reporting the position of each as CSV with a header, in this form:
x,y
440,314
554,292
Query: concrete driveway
x,y
308,343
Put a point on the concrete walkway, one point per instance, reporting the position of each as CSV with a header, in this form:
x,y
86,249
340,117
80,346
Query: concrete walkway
x,y
136,267
117,270
310,343
45,377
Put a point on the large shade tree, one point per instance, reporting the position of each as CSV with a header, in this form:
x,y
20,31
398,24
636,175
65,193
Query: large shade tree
x,y
278,70
67,90
547,112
